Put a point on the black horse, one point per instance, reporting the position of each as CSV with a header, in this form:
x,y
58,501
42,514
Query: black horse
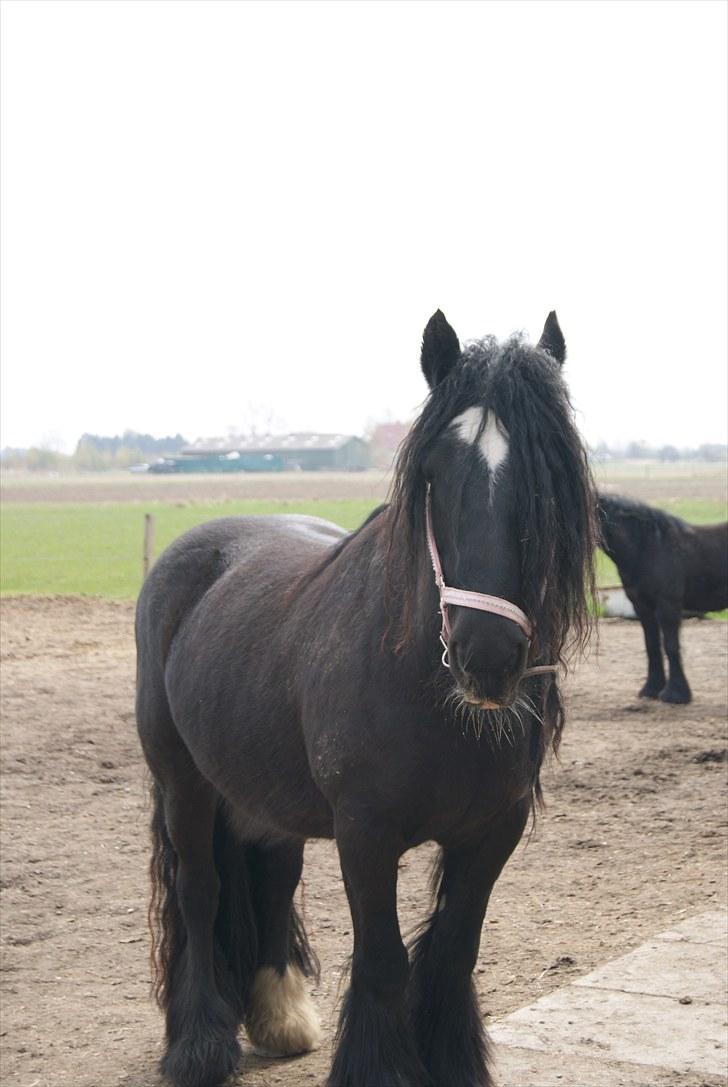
x,y
291,685
667,567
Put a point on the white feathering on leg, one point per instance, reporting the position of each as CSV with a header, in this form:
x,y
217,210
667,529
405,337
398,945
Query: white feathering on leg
x,y
282,1020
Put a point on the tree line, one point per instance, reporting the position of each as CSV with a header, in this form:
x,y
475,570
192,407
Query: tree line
x,y
98,452
95,453
709,451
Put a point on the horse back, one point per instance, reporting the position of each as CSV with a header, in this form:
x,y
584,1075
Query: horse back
x,y
706,568
197,560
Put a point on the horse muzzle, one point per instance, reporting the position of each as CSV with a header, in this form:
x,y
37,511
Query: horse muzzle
x,y
489,671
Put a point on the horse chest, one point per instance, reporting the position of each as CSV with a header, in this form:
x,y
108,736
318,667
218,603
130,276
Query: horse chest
x,y
475,785
434,782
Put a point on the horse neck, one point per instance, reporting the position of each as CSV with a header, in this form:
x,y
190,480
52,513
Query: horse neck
x,y
621,535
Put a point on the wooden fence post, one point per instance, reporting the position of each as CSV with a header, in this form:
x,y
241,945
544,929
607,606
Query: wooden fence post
x,y
148,542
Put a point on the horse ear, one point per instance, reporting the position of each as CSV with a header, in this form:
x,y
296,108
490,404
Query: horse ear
x,y
552,338
440,349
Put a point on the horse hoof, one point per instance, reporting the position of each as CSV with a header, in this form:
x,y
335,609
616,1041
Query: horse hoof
x,y
201,1063
282,1019
649,692
675,698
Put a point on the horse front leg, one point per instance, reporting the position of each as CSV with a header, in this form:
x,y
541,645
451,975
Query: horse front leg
x,y
655,669
677,688
449,1028
375,1045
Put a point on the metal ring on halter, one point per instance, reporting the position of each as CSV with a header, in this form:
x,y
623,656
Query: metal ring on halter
x,y
444,658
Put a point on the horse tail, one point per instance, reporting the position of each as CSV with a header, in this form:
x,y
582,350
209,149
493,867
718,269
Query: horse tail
x,y
236,929
301,953
165,920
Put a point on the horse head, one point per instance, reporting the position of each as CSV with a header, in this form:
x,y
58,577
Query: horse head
x,y
496,455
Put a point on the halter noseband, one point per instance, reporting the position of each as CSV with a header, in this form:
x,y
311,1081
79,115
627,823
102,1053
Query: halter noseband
x,y
466,599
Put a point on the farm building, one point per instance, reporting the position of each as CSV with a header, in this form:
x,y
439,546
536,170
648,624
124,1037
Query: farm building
x,y
306,452
385,441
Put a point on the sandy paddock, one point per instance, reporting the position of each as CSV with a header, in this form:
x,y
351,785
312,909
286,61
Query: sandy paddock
x,y
633,839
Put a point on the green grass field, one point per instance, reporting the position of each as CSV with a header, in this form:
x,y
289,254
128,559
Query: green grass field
x,y
96,549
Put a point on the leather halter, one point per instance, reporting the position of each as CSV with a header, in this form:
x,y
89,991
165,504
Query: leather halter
x,y
464,598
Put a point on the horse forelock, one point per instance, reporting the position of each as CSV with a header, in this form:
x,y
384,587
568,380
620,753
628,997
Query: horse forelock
x,y
553,492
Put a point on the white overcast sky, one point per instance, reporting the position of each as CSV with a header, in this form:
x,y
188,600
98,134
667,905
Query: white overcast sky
x,y
218,212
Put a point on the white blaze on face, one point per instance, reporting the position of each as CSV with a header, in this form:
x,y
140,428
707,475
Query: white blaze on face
x,y
492,442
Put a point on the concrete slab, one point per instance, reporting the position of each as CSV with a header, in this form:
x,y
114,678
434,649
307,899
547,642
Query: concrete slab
x,y
535,1068
660,968
619,1026
661,1007
706,928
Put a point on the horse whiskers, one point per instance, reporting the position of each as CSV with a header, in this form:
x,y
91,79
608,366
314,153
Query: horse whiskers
x,y
498,724
522,705
501,723
528,705
464,712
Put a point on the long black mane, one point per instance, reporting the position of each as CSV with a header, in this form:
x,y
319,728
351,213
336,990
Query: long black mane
x,y
555,500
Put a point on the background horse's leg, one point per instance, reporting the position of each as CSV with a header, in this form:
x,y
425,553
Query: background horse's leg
x,y
375,1042
677,688
655,669
281,1019
448,1025
202,1047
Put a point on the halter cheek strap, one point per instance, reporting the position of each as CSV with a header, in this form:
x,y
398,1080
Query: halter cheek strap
x,y
463,598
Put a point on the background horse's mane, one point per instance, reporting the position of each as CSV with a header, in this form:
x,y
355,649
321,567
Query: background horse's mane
x,y
637,515
554,495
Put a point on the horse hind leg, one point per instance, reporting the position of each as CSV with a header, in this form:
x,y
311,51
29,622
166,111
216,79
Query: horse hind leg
x,y
194,986
281,1019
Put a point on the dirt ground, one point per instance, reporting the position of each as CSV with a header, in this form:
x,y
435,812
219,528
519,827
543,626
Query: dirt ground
x,y
633,840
